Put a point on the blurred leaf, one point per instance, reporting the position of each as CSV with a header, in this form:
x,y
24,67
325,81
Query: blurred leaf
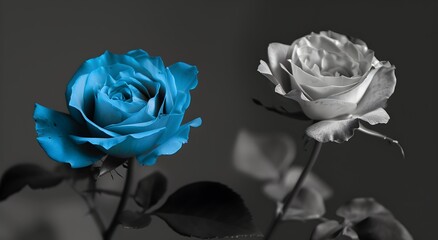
x,y
39,230
263,157
75,173
21,175
360,208
110,163
278,190
150,190
350,233
333,230
381,227
296,115
364,219
308,205
207,210
327,230
134,220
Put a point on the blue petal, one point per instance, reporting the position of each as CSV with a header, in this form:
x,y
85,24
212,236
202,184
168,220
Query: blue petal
x,y
125,146
170,121
53,129
76,110
185,76
171,145
182,102
109,111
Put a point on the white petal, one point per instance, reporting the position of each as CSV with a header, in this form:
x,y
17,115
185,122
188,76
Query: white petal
x,y
278,53
303,77
322,109
266,71
355,93
378,92
333,130
377,116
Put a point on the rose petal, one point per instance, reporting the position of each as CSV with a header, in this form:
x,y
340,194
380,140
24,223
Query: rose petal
x,y
109,111
326,91
171,145
303,77
356,93
378,92
185,76
76,106
322,108
53,129
278,53
377,116
264,69
124,146
333,130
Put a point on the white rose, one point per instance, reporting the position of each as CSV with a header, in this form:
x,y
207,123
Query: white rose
x,y
334,79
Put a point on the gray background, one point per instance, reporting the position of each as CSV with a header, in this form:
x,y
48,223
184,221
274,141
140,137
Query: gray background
x,y
43,42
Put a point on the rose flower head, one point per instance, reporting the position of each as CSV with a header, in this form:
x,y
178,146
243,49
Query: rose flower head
x,y
128,105
335,79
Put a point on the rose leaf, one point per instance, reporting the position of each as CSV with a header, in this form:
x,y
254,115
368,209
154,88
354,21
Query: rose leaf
x,y
207,210
263,156
75,173
21,175
150,190
134,220
308,205
382,227
327,230
358,209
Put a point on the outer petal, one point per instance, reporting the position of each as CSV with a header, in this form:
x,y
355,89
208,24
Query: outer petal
x,y
264,69
377,116
141,127
333,130
379,90
171,145
342,130
124,146
53,129
185,76
322,109
278,54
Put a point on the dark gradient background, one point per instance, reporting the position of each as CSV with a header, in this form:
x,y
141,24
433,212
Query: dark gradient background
x,y
43,42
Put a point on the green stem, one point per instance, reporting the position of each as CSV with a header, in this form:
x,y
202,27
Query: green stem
x,y
292,194
124,198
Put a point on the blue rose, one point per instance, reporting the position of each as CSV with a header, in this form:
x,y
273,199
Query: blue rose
x,y
124,106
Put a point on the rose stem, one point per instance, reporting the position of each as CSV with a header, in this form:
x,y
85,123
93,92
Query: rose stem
x,y
292,194
124,198
93,211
